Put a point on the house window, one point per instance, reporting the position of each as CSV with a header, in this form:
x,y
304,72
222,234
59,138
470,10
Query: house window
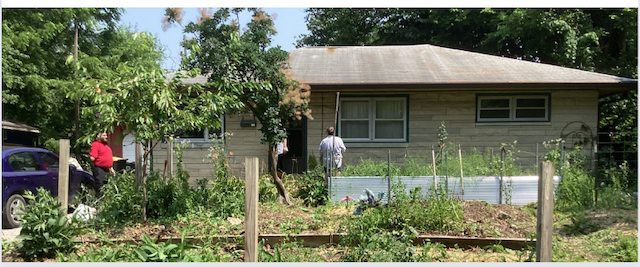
x,y
204,135
373,119
514,108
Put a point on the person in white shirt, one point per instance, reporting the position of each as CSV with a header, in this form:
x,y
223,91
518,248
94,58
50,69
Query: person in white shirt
x,y
281,149
331,148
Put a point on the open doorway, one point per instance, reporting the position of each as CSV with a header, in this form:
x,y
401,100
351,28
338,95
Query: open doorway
x,y
295,161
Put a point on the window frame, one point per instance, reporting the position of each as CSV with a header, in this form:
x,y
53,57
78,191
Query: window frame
x,y
205,138
372,119
513,98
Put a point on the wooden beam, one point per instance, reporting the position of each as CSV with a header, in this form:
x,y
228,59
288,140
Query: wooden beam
x,y
63,175
315,240
251,209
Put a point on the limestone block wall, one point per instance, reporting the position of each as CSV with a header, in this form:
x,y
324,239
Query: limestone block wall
x,y
458,110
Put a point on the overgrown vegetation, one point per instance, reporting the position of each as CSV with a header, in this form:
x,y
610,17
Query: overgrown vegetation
x,y
383,232
311,187
46,230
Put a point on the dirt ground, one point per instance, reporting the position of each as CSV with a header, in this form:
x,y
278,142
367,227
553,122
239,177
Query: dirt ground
x,y
488,220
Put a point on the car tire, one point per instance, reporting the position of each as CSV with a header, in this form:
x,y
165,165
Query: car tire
x,y
10,218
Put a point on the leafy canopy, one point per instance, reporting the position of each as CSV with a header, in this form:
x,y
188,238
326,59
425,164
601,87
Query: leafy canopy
x,y
253,74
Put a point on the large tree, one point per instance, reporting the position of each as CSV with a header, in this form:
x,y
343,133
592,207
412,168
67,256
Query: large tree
x,y
36,78
246,69
129,88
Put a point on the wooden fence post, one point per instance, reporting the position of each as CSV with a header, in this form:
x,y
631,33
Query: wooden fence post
x,y
544,226
63,175
251,210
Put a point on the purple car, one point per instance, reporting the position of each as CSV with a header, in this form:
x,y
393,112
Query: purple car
x,y
27,168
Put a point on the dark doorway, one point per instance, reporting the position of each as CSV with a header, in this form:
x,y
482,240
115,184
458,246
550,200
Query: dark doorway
x,y
295,161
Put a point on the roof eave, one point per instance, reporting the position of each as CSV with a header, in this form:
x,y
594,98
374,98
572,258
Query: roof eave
x,y
603,89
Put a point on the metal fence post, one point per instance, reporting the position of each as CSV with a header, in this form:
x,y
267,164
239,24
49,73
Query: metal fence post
x,y
561,157
435,180
389,176
491,163
502,152
442,163
446,175
537,156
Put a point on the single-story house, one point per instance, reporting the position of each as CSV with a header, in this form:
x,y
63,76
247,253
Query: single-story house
x,y
395,98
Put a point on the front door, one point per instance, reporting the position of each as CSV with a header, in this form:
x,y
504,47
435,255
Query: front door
x,y
295,161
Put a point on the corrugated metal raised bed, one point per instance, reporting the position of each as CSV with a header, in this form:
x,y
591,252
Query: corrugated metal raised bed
x,y
517,190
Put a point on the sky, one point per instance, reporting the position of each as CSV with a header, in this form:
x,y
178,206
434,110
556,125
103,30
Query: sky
x,y
289,23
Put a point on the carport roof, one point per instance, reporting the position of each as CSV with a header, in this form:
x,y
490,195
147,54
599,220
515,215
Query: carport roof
x,y
17,126
429,66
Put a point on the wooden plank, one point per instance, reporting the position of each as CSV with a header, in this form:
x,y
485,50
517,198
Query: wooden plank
x,y
63,175
544,226
251,209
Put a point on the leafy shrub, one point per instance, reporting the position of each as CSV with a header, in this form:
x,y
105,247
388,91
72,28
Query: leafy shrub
x,y
120,202
267,191
45,228
580,225
311,188
575,191
151,251
226,197
382,247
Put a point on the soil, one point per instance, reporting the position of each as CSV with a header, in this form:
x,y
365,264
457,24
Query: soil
x,y
482,220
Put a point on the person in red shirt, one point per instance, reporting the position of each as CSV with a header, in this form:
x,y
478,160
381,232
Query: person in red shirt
x,y
102,159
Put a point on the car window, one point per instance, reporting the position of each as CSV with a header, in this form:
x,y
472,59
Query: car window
x,y
24,161
49,162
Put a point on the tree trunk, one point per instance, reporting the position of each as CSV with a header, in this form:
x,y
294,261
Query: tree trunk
x,y
77,101
276,180
143,216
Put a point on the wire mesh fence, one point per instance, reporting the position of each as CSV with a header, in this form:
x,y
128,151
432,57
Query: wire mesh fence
x,y
616,161
506,174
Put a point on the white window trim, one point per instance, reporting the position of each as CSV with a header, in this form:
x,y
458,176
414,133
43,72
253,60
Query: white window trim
x,y
372,120
512,108
206,138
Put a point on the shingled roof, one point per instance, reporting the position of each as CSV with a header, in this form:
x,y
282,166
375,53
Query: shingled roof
x,y
433,67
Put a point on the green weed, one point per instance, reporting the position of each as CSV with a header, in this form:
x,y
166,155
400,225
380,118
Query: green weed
x,y
46,230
